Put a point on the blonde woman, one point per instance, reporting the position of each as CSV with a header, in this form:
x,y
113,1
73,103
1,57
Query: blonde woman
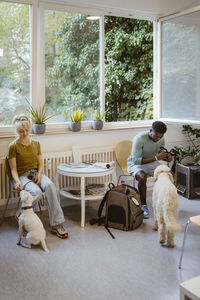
x,y
25,160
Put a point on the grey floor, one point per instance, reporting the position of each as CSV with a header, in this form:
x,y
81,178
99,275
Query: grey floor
x,y
90,265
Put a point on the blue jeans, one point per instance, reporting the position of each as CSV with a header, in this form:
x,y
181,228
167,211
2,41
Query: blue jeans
x,y
56,215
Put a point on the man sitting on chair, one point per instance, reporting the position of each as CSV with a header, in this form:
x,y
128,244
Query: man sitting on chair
x,y
145,156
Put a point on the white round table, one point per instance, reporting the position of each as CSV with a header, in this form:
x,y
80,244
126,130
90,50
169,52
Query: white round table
x,y
83,172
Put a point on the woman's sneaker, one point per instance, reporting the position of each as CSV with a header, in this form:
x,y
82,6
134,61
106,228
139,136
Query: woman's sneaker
x,y
146,211
60,231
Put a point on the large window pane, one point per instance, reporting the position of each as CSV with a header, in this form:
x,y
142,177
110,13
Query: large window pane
x,y
128,69
181,67
15,60
71,64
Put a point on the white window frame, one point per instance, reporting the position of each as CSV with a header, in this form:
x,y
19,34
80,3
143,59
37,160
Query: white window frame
x,y
159,78
37,76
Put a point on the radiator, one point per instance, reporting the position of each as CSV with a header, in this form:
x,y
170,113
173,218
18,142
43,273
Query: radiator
x,y
50,163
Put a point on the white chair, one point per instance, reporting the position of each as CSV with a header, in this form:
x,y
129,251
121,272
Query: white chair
x,y
195,220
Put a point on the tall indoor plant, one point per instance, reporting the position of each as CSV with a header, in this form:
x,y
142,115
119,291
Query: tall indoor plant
x,y
192,151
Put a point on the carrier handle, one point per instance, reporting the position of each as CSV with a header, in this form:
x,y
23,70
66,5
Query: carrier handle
x,y
111,185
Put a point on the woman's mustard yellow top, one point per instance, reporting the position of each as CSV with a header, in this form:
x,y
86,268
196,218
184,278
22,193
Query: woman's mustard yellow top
x,y
26,156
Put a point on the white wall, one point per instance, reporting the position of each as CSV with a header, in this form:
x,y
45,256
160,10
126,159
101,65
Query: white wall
x,y
95,139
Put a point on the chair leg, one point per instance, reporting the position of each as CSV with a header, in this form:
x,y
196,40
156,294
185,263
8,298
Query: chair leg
x,y
183,246
5,209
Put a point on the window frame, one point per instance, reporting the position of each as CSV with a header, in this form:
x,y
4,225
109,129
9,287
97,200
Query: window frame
x,y
37,76
159,78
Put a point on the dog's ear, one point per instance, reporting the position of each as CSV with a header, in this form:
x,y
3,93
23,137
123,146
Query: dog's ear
x,y
171,177
23,196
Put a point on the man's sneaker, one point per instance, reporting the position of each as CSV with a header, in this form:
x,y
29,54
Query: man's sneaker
x,y
146,211
60,231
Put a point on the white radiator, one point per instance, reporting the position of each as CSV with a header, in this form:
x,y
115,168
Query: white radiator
x,y
50,163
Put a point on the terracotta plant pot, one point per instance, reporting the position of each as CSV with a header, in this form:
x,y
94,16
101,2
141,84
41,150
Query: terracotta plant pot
x,y
97,125
75,126
39,128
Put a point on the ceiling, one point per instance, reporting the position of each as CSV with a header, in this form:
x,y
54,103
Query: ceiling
x,y
152,9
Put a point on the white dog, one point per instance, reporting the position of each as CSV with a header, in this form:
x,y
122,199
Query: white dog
x,y
31,223
165,205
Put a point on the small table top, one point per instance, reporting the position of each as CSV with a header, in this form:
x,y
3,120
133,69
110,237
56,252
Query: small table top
x,y
83,170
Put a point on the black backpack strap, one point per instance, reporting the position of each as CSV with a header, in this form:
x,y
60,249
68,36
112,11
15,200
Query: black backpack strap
x,y
103,201
109,232
100,220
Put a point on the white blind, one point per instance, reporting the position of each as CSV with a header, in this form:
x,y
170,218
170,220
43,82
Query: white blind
x,y
180,97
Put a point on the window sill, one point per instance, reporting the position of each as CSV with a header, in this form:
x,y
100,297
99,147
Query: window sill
x,y
52,129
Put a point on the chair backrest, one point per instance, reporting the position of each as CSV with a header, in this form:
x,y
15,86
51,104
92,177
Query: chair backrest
x,y
122,152
7,168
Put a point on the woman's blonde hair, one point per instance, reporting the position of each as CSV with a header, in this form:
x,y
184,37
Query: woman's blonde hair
x,y
21,122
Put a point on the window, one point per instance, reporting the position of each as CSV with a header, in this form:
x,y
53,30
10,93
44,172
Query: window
x,y
72,64
15,60
180,94
128,69
59,60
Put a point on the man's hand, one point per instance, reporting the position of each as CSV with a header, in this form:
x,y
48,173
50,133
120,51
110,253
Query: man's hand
x,y
162,156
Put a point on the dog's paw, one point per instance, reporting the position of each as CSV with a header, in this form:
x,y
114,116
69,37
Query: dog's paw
x,y
18,243
162,241
155,228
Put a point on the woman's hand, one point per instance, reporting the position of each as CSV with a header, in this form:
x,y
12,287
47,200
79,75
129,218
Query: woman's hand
x,y
38,178
18,186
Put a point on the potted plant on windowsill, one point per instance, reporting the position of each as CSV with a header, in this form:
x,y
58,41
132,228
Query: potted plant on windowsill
x,y
39,117
97,124
76,118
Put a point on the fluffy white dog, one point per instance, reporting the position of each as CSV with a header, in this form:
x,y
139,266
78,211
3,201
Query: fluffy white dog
x,y
165,205
29,221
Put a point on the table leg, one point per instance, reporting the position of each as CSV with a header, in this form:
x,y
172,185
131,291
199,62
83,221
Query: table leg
x,y
82,201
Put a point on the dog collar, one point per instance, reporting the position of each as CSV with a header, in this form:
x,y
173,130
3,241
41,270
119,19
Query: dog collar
x,y
27,207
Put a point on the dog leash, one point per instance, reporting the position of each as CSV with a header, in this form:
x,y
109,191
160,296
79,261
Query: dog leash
x,y
43,197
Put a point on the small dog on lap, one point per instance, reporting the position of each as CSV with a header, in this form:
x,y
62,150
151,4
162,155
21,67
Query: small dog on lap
x,y
29,221
165,205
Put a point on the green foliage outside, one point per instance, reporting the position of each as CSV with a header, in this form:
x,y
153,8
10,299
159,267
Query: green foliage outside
x,y
128,69
72,69
15,62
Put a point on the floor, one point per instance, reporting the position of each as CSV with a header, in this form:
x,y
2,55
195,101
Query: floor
x,y
90,265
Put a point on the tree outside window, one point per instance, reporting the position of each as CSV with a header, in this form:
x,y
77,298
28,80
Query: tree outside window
x,y
14,60
128,69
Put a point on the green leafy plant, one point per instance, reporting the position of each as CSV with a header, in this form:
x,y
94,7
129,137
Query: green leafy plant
x,y
39,116
99,115
77,116
193,137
